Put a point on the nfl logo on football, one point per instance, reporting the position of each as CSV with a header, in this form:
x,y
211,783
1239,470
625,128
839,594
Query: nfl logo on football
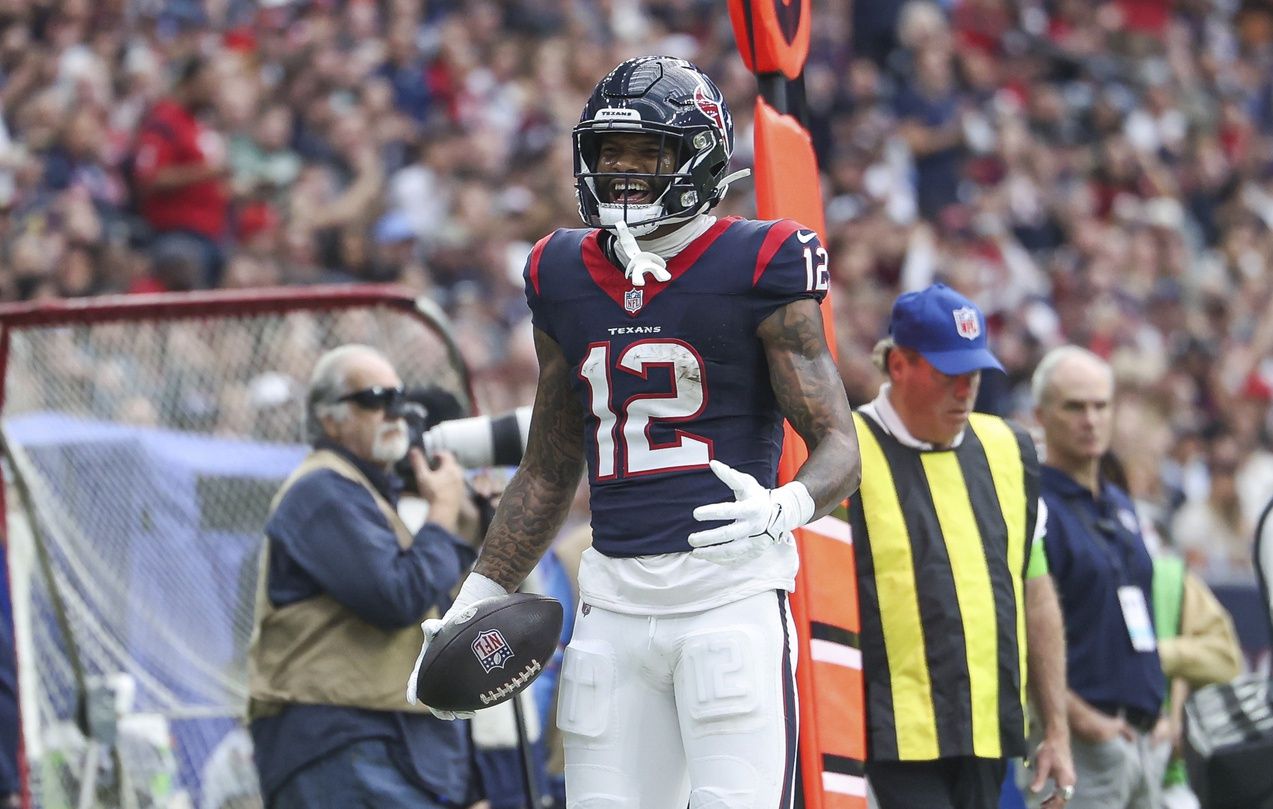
x,y
633,300
492,650
966,323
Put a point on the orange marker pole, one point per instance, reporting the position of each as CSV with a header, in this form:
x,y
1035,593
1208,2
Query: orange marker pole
x,y
773,39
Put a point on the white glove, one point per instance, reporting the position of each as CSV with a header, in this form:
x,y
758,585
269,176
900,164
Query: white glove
x,y
476,588
761,517
640,262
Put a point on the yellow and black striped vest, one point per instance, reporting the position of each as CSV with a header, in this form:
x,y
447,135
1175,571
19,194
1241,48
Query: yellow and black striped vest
x,y
941,541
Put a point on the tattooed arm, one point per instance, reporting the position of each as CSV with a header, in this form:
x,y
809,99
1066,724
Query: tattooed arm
x,y
811,396
535,503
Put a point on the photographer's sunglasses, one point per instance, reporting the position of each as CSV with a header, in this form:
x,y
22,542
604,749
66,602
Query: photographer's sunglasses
x,y
376,398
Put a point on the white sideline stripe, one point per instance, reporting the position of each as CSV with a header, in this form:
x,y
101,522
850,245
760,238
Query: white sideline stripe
x,y
835,653
832,528
844,784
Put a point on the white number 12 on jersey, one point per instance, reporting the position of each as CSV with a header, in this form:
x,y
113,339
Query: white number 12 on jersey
x,y
817,277
630,425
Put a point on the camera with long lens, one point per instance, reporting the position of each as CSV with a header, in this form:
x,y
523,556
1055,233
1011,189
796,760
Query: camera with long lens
x,y
434,423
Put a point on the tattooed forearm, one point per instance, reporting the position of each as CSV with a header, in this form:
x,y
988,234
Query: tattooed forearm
x,y
811,396
801,371
537,499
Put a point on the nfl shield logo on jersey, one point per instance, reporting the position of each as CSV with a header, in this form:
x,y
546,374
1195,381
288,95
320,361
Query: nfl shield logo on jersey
x,y
966,323
633,300
492,650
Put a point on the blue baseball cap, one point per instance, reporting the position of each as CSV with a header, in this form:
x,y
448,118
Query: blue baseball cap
x,y
946,329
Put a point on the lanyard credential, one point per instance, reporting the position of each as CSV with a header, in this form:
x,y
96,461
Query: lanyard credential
x,y
1140,630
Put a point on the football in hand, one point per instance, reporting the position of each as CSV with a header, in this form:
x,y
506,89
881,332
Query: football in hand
x,y
495,649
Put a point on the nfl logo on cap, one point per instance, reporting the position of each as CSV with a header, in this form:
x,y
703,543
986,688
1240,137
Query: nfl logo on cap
x,y
922,322
633,300
967,323
492,650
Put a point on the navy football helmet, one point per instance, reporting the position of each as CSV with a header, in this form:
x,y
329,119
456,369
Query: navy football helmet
x,y
675,101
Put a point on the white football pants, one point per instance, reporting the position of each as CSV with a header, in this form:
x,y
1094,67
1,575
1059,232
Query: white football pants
x,y
660,711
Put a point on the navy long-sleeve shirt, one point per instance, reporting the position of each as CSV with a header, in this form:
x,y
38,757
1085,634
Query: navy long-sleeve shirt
x,y
328,536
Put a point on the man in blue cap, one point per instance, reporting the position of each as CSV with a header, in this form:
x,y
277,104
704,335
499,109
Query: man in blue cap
x,y
956,604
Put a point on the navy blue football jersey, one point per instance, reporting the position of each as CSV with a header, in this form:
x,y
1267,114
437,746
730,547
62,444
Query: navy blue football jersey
x,y
672,374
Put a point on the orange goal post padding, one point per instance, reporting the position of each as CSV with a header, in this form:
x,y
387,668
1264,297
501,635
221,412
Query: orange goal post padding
x,y
773,40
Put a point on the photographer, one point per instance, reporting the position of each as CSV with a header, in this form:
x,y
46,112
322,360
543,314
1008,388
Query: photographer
x,y
343,585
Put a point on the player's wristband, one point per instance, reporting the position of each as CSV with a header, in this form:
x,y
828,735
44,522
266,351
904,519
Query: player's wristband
x,y
797,506
475,588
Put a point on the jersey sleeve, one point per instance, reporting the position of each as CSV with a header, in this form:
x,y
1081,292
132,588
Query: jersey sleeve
x,y
791,264
533,278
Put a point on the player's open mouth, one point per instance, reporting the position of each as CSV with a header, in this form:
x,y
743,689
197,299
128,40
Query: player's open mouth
x,y
630,192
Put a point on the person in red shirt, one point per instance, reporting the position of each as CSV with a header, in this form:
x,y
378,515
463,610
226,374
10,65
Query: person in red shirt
x,y
180,172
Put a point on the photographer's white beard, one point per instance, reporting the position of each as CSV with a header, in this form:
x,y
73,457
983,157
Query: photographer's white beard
x,y
391,443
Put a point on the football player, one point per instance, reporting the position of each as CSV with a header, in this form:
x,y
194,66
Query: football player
x,y
671,346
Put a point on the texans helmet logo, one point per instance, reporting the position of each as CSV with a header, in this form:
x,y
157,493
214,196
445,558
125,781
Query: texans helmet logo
x,y
711,108
492,650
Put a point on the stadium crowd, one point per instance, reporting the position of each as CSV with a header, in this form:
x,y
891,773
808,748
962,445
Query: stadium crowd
x,y
1097,173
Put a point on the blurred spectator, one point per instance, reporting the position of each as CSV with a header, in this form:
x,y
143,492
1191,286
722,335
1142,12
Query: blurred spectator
x,y
180,172
77,160
932,120
406,71
1213,532
263,163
